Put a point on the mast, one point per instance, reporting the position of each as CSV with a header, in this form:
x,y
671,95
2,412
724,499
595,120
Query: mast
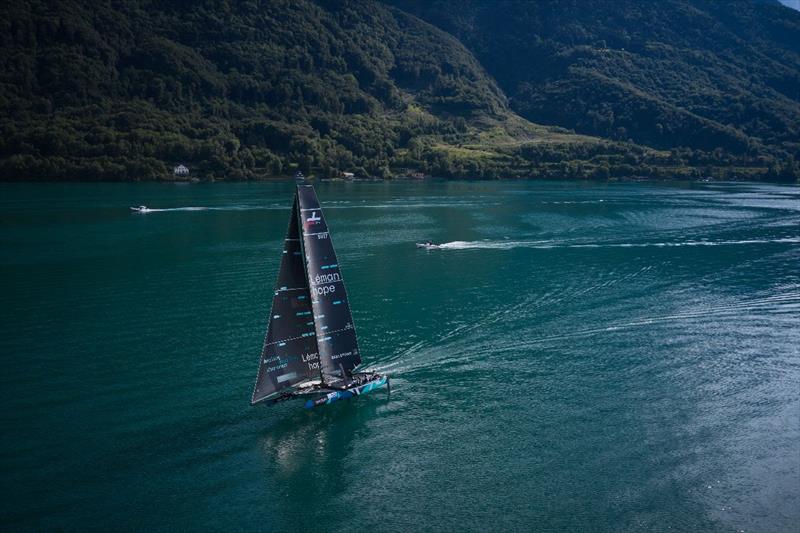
x,y
298,220
333,321
290,354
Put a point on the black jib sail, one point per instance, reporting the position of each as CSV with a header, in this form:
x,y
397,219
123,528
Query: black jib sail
x,y
289,355
333,322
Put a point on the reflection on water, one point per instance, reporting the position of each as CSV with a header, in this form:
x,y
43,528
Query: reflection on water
x,y
312,439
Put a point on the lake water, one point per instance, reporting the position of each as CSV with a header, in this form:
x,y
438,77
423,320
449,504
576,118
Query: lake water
x,y
579,357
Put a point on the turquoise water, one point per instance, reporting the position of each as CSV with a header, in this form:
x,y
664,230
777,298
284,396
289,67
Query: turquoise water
x,y
579,357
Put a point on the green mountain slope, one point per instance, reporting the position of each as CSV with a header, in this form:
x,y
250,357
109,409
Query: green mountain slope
x,y
700,74
240,90
237,90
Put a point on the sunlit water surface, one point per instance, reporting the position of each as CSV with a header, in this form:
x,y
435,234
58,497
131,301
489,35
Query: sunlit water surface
x,y
583,357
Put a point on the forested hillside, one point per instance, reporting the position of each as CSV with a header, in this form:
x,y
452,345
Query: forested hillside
x,y
234,90
704,75
242,90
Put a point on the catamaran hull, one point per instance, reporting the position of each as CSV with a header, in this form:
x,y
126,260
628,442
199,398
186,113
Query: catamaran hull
x,y
335,396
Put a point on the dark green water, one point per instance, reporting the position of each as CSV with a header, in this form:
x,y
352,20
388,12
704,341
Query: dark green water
x,y
581,357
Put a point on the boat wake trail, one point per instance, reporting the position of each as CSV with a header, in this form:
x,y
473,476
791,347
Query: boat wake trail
x,y
467,343
780,304
168,209
546,245
210,208
574,202
279,207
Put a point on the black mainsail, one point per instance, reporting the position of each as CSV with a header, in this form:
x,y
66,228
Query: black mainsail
x,y
333,321
290,354
311,345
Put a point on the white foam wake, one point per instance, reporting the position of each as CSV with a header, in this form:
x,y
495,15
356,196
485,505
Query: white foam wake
x,y
573,202
544,245
155,210
211,208
286,208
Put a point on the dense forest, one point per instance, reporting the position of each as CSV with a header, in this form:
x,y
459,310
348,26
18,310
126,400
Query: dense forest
x,y
701,74
469,89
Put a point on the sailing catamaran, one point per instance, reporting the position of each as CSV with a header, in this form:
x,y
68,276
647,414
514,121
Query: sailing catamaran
x,y
311,346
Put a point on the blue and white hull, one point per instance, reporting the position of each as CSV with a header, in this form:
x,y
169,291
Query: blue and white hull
x,y
358,390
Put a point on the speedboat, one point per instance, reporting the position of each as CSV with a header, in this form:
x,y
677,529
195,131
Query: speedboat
x,y
141,209
428,245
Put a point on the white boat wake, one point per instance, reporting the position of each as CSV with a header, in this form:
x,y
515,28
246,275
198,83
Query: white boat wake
x,y
207,208
546,245
343,205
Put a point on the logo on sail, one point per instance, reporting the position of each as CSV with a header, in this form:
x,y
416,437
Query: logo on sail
x,y
313,219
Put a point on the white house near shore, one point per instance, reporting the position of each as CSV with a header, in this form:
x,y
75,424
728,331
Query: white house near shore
x,y
180,170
